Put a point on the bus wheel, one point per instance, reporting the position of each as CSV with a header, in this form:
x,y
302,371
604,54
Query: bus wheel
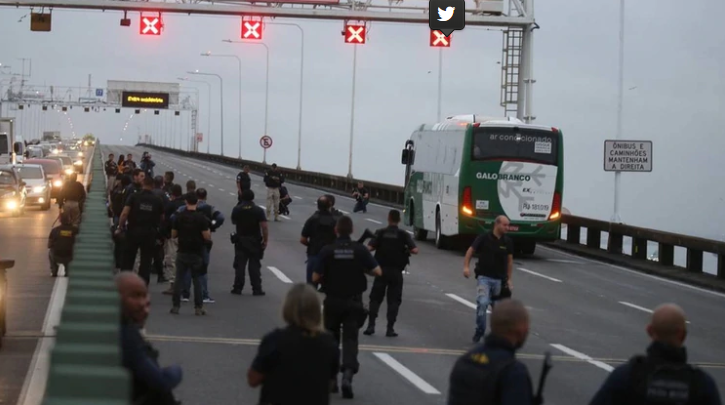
x,y
441,240
528,248
418,234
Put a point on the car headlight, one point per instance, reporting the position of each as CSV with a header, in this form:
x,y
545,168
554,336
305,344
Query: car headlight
x,y
68,171
58,183
56,151
80,154
11,205
38,189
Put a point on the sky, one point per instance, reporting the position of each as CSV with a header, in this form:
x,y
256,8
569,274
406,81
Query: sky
x,y
674,93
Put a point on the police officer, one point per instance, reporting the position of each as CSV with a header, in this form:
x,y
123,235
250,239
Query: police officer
x,y
489,373
60,245
335,212
72,198
318,231
168,182
273,179
244,182
392,247
663,376
147,165
341,268
158,261
495,264
141,218
138,176
191,229
249,241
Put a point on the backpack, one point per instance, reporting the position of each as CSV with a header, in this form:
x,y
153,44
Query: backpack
x,y
473,384
324,233
658,382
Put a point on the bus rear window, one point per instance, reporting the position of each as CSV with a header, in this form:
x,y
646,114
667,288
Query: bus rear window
x,y
531,145
4,144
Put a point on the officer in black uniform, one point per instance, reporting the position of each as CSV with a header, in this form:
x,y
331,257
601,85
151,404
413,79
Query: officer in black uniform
x,y
341,268
249,241
244,182
137,184
335,212
168,182
61,241
141,218
318,231
392,247
662,377
158,260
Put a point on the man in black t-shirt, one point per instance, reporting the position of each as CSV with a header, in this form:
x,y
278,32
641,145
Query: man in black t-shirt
x,y
318,231
191,228
361,196
244,182
171,246
141,218
60,244
495,264
251,237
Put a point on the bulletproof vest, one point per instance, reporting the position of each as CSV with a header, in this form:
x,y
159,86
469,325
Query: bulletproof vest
x,y
273,179
658,382
324,233
390,251
142,210
247,223
117,199
63,245
345,276
475,379
188,232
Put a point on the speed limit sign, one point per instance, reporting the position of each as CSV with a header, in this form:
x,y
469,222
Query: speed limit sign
x,y
265,142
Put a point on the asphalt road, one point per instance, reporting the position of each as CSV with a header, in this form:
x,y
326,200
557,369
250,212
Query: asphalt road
x,y
590,316
25,239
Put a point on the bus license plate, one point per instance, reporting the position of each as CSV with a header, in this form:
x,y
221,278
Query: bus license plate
x,y
513,227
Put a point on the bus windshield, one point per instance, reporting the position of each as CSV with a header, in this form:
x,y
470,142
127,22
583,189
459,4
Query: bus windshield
x,y
522,144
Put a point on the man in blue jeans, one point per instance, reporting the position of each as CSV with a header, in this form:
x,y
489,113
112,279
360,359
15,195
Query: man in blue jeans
x,y
495,252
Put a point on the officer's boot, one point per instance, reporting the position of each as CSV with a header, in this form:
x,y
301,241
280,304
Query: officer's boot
x,y
347,384
371,326
391,332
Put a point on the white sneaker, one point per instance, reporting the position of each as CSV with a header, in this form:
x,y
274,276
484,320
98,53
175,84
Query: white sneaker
x,y
209,300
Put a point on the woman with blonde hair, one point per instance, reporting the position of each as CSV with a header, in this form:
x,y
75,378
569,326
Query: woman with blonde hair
x,y
299,363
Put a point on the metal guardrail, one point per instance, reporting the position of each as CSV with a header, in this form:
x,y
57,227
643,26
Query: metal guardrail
x,y
85,364
394,195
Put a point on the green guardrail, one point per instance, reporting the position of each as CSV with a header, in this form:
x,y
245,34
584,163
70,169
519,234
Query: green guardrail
x,y
85,363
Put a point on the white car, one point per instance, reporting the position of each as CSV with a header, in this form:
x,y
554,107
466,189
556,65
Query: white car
x,y
38,187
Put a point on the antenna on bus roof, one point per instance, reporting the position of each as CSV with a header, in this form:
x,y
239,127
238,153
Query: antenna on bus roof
x,y
473,118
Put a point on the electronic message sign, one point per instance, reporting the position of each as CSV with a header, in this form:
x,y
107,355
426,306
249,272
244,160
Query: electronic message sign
x,y
138,99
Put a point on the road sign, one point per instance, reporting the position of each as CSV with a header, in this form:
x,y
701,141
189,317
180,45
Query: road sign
x,y
99,92
627,156
355,33
150,25
265,142
199,137
439,39
251,29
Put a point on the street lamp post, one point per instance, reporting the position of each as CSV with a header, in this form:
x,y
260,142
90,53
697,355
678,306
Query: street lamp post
x,y
266,85
440,80
221,103
208,115
352,109
620,107
240,95
302,68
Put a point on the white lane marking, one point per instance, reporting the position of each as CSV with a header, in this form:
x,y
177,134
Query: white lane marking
x,y
582,356
420,383
285,217
211,185
36,379
232,194
373,221
563,261
410,232
643,309
344,212
465,302
297,197
277,272
636,273
556,280
221,189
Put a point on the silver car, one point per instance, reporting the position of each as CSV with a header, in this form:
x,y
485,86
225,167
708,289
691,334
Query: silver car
x,y
37,186
66,162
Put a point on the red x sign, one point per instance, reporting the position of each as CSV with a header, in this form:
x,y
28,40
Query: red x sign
x,y
354,34
251,29
150,25
439,40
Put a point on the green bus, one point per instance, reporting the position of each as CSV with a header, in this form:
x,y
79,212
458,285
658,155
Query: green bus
x,y
463,173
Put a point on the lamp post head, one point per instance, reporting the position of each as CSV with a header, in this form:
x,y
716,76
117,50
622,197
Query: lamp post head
x,y
227,40
207,53
194,72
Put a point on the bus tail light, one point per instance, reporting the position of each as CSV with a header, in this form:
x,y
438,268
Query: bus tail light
x,y
467,206
555,207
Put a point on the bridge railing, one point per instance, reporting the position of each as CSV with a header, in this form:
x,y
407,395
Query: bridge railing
x,y
85,363
394,195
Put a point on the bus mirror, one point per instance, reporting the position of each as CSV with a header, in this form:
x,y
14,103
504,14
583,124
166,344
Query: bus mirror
x,y
408,157
18,147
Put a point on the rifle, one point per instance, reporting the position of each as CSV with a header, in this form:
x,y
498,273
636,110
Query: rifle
x,y
539,398
367,234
